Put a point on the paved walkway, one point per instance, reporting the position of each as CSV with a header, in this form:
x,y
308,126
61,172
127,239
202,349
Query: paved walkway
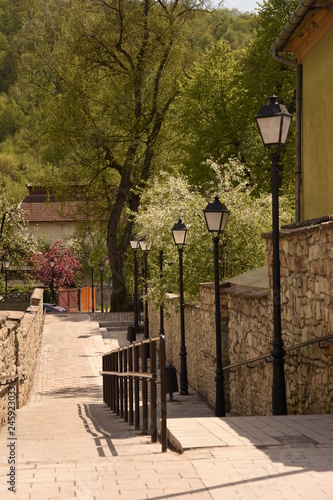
x,y
70,446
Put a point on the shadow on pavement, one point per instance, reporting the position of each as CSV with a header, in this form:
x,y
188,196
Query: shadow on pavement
x,y
304,441
91,392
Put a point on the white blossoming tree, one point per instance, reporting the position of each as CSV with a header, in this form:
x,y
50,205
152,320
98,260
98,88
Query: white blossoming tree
x,y
242,247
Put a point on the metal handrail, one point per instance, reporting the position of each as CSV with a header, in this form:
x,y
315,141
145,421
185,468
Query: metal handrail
x,y
10,379
149,376
267,356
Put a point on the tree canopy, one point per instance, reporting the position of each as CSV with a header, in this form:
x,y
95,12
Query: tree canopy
x,y
106,95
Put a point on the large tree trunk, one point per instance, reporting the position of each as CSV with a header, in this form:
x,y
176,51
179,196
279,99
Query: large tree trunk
x,y
119,297
117,244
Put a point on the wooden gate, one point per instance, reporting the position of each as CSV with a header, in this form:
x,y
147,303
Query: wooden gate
x,y
69,298
86,299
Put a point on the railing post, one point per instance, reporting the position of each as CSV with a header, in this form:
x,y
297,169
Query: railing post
x,y
116,379
113,388
136,390
121,382
108,381
130,384
153,425
104,378
125,386
144,348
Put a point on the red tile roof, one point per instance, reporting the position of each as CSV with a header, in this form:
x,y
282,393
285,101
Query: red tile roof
x,y
52,211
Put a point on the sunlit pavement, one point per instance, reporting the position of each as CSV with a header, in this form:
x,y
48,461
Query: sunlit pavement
x,y
70,446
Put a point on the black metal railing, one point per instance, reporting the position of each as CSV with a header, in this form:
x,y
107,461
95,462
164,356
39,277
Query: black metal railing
x,y
126,374
268,357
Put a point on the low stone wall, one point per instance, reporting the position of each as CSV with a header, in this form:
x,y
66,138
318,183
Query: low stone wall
x,y
20,339
7,362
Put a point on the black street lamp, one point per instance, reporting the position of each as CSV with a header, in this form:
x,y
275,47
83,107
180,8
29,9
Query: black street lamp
x,y
145,247
101,267
161,306
179,233
216,216
5,264
92,289
273,122
135,245
52,264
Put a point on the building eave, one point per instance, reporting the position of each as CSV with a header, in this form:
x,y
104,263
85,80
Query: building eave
x,y
308,23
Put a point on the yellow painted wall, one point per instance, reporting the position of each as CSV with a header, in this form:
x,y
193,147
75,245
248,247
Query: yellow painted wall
x,y
317,129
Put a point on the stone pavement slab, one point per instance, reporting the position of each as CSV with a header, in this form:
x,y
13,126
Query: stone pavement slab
x,y
70,446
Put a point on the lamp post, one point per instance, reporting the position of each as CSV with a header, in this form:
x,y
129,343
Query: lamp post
x,y
179,233
52,264
273,122
101,267
161,306
5,264
92,289
135,245
145,247
216,216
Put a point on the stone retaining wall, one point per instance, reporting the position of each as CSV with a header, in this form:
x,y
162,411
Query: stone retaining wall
x,y
250,335
306,256
20,339
200,339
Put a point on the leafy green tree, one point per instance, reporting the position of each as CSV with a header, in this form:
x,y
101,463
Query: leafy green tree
x,y
262,76
207,113
216,108
100,78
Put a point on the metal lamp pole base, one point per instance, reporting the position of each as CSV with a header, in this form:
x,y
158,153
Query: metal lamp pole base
x,y
279,399
183,354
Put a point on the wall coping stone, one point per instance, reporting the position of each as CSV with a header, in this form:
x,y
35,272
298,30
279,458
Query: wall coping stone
x,y
308,229
12,325
36,296
16,315
32,309
3,317
247,291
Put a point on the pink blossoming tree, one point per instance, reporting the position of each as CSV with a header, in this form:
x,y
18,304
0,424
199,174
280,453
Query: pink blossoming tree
x,y
66,271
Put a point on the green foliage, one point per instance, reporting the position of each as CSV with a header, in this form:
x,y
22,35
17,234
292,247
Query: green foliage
x,y
262,76
18,244
165,200
10,23
11,117
233,26
250,216
216,108
208,111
